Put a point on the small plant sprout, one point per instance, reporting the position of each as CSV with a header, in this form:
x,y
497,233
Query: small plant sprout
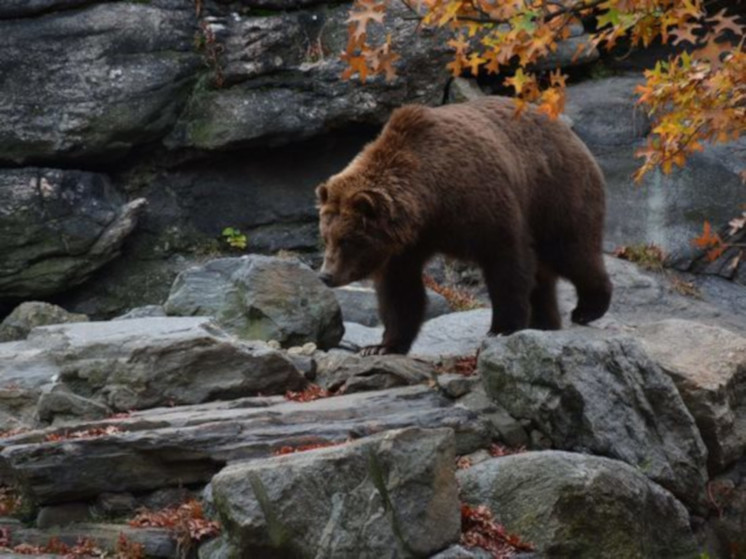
x,y
234,238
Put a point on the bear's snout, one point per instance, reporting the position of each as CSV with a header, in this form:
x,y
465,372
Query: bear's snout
x,y
326,278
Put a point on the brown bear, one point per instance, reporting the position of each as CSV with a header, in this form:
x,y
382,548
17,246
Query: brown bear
x,y
520,196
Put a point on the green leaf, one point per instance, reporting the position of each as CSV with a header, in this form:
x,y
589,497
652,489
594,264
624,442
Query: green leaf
x,y
611,17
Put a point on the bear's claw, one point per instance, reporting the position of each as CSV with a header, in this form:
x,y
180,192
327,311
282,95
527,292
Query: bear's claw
x,y
374,350
380,349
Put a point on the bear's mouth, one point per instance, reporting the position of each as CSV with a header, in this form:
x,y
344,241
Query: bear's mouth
x,y
327,279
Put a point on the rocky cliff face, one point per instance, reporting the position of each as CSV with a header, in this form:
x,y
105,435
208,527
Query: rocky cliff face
x,y
149,99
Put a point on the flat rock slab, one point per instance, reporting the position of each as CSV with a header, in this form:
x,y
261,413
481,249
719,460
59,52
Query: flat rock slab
x,y
394,495
347,372
458,333
156,542
592,392
186,445
574,505
138,364
708,365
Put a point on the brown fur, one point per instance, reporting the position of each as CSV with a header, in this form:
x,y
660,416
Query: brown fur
x,y
522,197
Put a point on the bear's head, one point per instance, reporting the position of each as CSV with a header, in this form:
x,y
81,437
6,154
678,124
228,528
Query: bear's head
x,y
355,218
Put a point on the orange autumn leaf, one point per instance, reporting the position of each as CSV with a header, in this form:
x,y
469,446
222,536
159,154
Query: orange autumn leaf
x,y
707,239
692,98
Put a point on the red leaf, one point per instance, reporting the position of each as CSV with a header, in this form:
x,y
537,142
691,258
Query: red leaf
x,y
312,392
479,529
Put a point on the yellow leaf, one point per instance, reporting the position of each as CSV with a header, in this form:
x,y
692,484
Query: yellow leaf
x,y
518,81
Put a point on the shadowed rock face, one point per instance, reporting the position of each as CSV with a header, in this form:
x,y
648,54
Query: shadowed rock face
x,y
58,227
91,82
93,85
282,81
26,8
29,315
667,210
157,542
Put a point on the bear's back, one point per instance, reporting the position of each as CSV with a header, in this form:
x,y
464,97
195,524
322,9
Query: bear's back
x,y
478,158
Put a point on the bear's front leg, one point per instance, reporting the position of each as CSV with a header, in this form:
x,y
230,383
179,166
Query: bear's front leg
x,y
510,281
401,304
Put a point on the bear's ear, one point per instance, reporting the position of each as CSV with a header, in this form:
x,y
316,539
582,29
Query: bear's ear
x,y
322,193
366,203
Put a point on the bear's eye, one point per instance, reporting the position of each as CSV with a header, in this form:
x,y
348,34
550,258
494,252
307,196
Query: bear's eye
x,y
347,244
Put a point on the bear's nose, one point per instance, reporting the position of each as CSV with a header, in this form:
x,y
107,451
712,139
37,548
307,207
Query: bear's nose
x,y
326,278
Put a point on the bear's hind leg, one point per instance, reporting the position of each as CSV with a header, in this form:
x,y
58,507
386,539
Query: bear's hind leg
x,y
593,286
545,313
401,304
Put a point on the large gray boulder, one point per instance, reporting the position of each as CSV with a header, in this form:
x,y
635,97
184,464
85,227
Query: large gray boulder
x,y
395,495
604,114
573,505
31,314
282,78
92,82
57,227
260,298
708,365
590,392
